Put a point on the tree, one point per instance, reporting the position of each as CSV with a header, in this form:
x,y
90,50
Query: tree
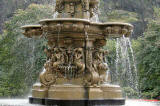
x,y
21,59
149,62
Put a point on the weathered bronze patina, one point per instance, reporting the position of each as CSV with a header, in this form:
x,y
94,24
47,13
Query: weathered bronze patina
x,y
76,66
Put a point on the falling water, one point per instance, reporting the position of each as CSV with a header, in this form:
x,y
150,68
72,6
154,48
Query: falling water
x,y
117,56
125,64
108,76
55,14
95,18
96,13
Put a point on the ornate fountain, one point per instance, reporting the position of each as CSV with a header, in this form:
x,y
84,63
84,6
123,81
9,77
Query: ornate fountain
x,y
75,71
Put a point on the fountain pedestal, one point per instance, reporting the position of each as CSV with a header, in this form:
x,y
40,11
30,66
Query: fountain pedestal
x,y
67,95
75,71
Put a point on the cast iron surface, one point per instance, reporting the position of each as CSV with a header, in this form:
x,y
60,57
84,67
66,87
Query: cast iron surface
x,y
99,102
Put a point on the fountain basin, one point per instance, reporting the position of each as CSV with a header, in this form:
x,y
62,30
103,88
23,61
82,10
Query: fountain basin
x,y
69,26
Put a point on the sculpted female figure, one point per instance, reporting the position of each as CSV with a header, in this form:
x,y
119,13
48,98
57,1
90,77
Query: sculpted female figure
x,y
99,64
58,60
79,60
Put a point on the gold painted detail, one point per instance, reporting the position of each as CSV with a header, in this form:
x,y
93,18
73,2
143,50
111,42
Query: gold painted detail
x,y
71,63
63,63
96,67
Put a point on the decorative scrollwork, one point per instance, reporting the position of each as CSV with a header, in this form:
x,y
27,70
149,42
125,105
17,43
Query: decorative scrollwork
x,y
47,77
68,62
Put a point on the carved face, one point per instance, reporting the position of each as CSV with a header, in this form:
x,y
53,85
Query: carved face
x,y
99,55
100,43
78,53
57,53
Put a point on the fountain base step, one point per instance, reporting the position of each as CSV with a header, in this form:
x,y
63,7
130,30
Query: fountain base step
x,y
54,102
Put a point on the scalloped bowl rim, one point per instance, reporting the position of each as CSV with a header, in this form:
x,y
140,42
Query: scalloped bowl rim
x,y
84,20
31,26
64,20
77,20
118,23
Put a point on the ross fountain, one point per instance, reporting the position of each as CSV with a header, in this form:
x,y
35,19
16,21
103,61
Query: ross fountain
x,y
75,71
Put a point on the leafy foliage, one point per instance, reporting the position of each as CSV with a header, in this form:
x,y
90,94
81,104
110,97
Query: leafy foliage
x,y
21,59
8,7
149,62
